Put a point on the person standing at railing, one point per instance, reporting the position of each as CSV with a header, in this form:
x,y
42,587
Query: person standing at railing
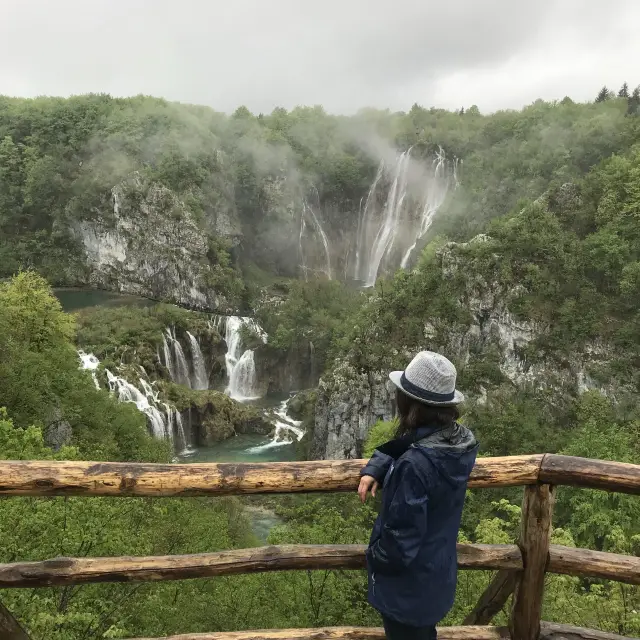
x,y
411,558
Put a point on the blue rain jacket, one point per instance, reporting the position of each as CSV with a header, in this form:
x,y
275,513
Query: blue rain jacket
x,y
411,559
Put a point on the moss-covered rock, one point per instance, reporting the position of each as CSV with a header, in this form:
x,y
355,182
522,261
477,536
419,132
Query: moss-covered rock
x,y
214,416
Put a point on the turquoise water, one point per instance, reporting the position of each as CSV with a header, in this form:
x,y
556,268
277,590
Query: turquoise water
x,y
77,299
241,448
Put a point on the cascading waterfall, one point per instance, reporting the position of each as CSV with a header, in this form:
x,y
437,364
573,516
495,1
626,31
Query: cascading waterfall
x,y
145,402
286,429
392,232
174,359
165,421
200,377
241,366
90,363
180,364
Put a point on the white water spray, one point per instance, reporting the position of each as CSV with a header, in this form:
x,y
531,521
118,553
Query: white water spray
x,y
309,213
436,192
163,420
180,365
90,363
240,364
388,235
385,237
286,430
200,377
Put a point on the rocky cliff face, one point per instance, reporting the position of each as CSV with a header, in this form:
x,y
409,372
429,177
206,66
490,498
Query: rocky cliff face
x,y
149,245
494,339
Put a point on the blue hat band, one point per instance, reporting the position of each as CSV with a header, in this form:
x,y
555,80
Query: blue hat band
x,y
424,394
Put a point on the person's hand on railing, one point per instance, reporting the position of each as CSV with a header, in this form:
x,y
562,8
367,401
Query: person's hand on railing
x,y
367,483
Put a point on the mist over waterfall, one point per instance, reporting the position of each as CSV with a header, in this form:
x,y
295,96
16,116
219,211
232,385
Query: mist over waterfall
x,y
399,209
312,239
240,364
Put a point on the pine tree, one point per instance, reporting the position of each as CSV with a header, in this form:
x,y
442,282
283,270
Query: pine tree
x,y
633,102
461,111
624,91
603,95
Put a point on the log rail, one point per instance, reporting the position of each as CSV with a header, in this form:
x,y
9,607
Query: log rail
x,y
520,568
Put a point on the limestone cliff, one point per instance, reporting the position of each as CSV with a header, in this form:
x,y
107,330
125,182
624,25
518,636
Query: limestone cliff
x,y
493,348
150,245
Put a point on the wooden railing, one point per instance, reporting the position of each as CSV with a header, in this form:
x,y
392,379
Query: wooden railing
x,y
520,568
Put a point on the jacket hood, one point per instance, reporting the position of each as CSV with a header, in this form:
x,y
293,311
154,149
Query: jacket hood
x,y
452,451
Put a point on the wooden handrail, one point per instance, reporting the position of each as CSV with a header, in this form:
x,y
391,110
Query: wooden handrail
x,y
80,478
73,571
590,474
340,633
68,571
548,631
528,562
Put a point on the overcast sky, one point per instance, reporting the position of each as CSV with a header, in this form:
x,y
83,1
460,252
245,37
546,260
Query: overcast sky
x,y
343,54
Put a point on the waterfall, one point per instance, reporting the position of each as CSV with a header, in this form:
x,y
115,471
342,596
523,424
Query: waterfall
x,y
364,221
388,236
90,363
436,192
307,211
200,377
286,429
168,359
241,367
145,402
242,378
385,237
164,421
181,366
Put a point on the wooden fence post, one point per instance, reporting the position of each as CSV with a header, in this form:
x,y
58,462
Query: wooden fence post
x,y
535,535
494,597
10,628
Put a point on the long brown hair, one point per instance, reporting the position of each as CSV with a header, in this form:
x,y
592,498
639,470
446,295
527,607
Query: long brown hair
x,y
413,414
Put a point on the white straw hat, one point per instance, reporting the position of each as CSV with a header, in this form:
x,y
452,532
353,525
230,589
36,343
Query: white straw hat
x,y
429,378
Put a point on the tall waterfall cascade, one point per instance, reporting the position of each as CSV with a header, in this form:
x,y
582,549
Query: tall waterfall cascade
x,y
200,377
390,227
164,420
240,363
191,374
312,235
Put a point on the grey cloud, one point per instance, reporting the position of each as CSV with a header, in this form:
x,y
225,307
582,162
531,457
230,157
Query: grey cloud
x,y
344,54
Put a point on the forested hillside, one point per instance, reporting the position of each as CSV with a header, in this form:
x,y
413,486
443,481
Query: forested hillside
x,y
521,263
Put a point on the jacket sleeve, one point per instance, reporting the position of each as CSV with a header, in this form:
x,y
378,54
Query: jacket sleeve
x,y
405,522
378,466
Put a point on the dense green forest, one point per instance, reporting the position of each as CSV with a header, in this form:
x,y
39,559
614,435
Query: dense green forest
x,y
554,191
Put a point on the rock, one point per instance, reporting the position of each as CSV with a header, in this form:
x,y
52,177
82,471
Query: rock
x,y
149,246
214,416
58,432
350,402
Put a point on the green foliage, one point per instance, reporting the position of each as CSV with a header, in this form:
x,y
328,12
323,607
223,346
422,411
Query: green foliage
x,y
379,433
41,384
308,318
